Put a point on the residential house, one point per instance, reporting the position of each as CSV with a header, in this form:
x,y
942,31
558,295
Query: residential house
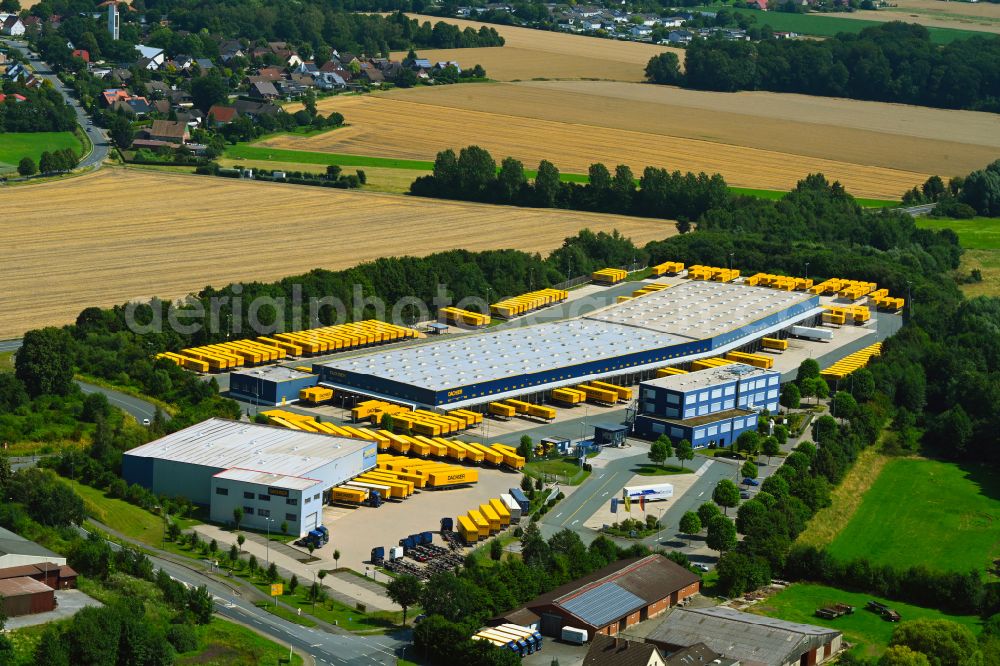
x,y
308,67
230,49
445,63
608,651
422,63
16,97
12,26
82,54
158,89
204,64
270,73
121,75
161,106
757,4
700,654
151,57
263,90
680,36
32,23
220,115
371,74
255,110
170,131
183,62
640,31
673,21
290,88
330,81
746,637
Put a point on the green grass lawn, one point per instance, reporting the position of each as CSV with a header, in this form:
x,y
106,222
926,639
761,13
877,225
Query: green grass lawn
x,y
562,467
659,470
224,643
774,195
928,512
15,145
979,233
830,24
7,360
798,603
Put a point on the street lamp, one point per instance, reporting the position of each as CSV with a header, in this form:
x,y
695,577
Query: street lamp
x,y
807,269
731,254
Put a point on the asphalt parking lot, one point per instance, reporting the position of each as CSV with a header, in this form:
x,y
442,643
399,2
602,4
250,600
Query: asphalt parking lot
x,y
355,531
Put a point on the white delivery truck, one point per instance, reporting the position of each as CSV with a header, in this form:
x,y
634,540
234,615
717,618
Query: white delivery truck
x,y
574,635
657,491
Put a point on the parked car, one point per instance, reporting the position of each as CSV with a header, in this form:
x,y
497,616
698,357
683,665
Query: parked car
x,y
701,567
145,422
750,482
744,495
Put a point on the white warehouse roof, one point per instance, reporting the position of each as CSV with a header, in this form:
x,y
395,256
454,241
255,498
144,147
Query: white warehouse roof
x,y
225,444
700,379
267,479
700,309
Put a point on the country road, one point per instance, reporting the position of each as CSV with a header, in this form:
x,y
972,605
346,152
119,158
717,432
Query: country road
x,y
97,137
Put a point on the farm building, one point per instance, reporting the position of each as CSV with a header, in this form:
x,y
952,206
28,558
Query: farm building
x,y
608,651
15,551
747,638
610,599
710,406
269,385
697,319
26,596
274,474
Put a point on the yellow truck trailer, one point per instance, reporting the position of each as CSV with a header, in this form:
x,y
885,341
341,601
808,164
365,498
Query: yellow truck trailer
x,y
501,510
568,396
491,517
467,529
501,410
479,520
666,372
457,476
774,344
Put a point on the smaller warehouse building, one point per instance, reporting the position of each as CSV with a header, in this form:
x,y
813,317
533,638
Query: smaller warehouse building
x,y
269,385
711,406
752,640
56,576
611,599
15,551
274,474
26,596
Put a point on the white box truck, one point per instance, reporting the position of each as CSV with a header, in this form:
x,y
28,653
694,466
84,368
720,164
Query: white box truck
x,y
658,491
574,635
811,333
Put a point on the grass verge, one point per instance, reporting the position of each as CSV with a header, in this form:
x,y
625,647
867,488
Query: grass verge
x,y
844,500
17,145
127,390
224,643
938,514
660,470
567,469
978,233
871,634
7,360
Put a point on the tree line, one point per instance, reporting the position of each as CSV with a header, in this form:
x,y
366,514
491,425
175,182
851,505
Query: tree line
x,y
472,175
892,62
42,110
977,193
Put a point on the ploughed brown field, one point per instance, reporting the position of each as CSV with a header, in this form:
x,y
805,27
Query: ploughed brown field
x,y
755,140
116,235
529,54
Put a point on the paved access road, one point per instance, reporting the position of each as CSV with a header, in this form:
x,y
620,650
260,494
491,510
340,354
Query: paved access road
x,y
96,135
323,647
138,408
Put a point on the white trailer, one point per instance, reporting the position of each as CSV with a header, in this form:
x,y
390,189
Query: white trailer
x,y
359,485
812,333
658,491
574,635
512,506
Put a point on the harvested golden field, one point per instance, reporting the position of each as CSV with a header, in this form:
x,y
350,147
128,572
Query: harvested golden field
x,y
397,126
530,54
134,234
979,16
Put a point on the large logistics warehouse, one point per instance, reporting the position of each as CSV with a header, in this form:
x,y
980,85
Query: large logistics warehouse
x,y
692,320
274,474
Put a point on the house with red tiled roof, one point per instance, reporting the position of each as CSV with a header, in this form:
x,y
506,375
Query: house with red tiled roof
x,y
220,115
82,54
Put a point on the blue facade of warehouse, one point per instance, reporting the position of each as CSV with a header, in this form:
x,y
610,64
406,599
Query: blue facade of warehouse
x,y
715,411
386,387
275,385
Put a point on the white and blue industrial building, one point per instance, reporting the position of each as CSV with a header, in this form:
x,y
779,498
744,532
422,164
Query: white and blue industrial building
x,y
269,385
706,407
276,475
625,342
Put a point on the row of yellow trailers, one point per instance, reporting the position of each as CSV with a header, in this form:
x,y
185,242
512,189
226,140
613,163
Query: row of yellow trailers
x,y
650,288
511,407
425,473
483,521
609,276
849,289
433,424
595,391
782,282
533,300
667,268
373,410
712,273
747,358
450,449
460,317
269,349
852,362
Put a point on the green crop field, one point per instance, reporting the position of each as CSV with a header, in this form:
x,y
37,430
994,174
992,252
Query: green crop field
x,y
979,233
937,514
828,26
798,603
15,145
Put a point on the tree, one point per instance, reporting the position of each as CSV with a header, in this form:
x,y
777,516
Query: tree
x,y
771,446
740,573
387,421
706,512
659,451
44,363
121,132
526,449
791,396
511,180
496,550
808,369
321,575
684,451
721,534
726,495
237,519
405,590
526,483
821,389
807,387
293,583
200,604
664,69
26,167
862,385
252,565
748,443
690,524
843,405
547,185
272,573
945,643
901,655
240,539
749,470
284,527
336,558
207,91
781,433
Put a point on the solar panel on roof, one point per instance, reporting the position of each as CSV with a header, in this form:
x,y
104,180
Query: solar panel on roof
x,y
603,604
